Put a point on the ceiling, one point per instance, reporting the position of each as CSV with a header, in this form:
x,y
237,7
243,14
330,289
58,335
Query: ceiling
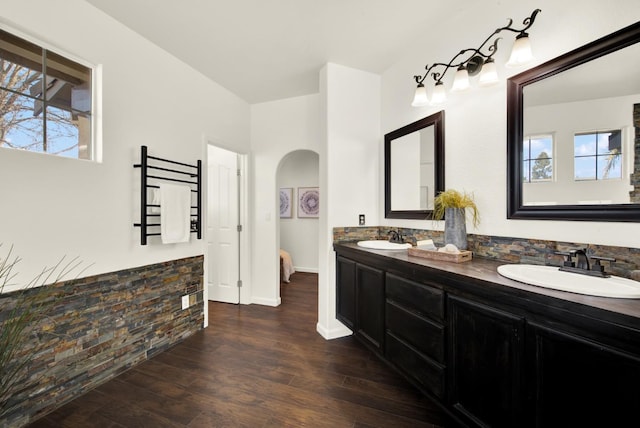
x,y
264,50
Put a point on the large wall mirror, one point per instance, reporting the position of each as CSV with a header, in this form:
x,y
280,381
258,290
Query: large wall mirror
x,y
414,168
573,134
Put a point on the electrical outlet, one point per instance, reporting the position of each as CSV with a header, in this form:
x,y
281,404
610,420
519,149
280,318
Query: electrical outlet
x,y
361,219
185,301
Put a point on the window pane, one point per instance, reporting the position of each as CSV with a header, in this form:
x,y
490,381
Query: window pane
x,y
20,79
68,84
615,140
525,149
60,67
584,145
585,168
603,142
542,168
20,65
85,150
609,166
19,128
525,171
540,145
65,136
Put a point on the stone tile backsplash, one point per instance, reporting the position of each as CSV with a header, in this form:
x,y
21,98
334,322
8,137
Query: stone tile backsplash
x,y
507,249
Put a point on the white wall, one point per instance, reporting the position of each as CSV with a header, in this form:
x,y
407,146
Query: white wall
x,y
299,236
52,207
277,128
349,170
475,128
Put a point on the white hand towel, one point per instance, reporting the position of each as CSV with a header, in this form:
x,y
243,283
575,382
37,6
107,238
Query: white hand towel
x,y
175,213
155,200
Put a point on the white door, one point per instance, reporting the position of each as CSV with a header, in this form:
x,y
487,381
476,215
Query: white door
x,y
222,221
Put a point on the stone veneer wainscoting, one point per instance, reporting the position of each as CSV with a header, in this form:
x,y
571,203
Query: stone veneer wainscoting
x,y
101,326
512,250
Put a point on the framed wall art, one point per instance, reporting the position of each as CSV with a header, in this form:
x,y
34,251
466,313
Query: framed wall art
x,y
286,195
308,202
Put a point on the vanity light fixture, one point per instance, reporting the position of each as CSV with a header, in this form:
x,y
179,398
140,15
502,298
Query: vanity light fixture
x,y
420,98
470,62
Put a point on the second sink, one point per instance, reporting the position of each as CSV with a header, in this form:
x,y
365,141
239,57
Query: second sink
x,y
552,277
383,245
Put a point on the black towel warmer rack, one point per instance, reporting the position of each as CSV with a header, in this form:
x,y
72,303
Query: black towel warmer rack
x,y
165,173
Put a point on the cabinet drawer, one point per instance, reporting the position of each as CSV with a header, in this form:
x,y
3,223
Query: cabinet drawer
x,y
428,374
421,298
424,335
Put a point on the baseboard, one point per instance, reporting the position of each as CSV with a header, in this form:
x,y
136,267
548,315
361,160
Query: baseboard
x,y
266,302
333,333
305,269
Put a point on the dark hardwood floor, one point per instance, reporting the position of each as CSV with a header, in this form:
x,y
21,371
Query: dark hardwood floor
x,y
256,366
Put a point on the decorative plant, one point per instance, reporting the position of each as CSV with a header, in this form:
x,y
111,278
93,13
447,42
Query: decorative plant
x,y
455,199
20,312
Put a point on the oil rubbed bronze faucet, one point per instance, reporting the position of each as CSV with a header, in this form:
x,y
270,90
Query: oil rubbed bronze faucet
x,y
582,265
396,237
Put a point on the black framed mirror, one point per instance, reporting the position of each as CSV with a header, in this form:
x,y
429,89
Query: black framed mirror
x,y
414,168
573,134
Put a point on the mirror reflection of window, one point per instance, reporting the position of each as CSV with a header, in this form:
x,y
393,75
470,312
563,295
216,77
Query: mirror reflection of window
x,y
537,155
598,155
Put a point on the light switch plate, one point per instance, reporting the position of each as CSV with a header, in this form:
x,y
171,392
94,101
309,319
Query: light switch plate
x,y
185,301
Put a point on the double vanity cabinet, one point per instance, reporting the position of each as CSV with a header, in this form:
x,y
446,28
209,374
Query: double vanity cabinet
x,y
491,351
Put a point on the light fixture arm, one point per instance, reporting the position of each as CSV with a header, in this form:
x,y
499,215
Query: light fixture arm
x,y
528,22
475,57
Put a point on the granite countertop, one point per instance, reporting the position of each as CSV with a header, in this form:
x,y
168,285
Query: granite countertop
x,y
485,270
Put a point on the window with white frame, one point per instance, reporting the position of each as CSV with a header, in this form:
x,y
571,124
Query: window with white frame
x,y
537,158
45,100
598,155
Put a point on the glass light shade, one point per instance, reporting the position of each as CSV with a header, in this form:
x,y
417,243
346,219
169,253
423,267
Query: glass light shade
x,y
420,98
489,73
439,95
521,51
461,80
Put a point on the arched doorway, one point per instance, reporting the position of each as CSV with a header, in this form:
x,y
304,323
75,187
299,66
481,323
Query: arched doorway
x,y
298,226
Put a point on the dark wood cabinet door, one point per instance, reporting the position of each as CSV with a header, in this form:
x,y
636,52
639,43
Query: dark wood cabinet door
x,y
370,306
576,382
346,291
485,357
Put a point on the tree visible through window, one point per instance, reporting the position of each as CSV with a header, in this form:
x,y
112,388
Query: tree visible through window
x,y
537,158
598,155
45,100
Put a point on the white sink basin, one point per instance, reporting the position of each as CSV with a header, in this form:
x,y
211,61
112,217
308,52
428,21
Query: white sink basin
x,y
383,245
552,277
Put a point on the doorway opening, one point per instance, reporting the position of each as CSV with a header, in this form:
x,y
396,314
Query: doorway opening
x,y
298,227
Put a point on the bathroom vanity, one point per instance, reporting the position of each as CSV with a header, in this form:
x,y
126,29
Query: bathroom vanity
x,y
494,352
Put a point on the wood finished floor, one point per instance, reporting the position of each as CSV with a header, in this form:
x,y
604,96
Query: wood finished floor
x,y
256,366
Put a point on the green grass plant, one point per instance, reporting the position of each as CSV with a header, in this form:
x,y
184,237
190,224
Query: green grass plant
x,y
454,199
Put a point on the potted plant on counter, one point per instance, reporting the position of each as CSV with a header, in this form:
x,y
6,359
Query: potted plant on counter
x,y
452,206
